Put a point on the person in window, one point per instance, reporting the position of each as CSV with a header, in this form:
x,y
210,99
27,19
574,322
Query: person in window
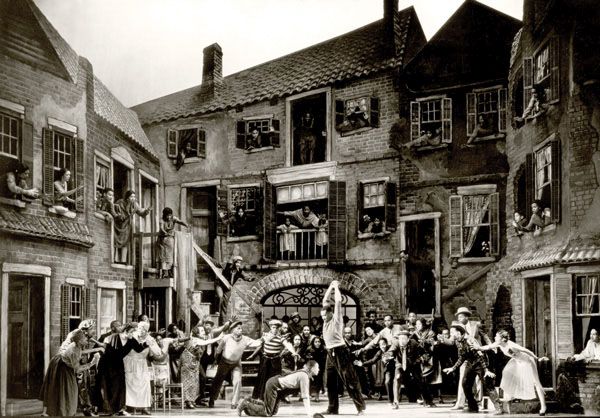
x,y
322,234
62,194
306,137
241,223
106,205
356,118
534,107
255,140
427,138
375,229
592,349
365,223
304,218
16,184
536,222
482,128
519,223
166,242
125,209
185,151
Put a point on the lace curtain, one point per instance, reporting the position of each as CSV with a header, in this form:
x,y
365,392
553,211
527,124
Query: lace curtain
x,y
474,210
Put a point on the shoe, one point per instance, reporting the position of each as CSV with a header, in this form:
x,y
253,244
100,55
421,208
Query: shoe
x,y
542,413
144,411
201,403
89,413
420,401
234,406
123,413
359,413
395,405
456,408
211,403
430,405
190,405
328,412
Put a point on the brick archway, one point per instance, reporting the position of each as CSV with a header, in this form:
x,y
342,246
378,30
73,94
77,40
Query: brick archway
x,y
349,282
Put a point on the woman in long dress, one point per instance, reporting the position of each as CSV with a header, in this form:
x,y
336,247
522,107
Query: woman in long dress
x,y
59,390
520,379
138,394
166,241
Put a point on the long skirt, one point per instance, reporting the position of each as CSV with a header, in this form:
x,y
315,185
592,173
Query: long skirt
x,y
519,378
137,382
190,366
59,390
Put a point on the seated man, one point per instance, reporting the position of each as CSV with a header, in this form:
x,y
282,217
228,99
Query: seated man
x,y
591,350
277,388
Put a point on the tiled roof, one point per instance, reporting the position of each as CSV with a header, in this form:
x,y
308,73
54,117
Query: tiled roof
x,y
67,55
126,120
538,257
581,251
15,222
354,54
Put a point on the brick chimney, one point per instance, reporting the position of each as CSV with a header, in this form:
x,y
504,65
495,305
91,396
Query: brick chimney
x,y
390,10
212,70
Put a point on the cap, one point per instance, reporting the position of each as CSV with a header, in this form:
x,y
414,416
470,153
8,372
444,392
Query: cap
x,y
295,314
235,324
458,326
463,310
275,322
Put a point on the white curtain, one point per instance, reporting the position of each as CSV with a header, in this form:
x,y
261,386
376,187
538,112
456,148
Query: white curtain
x,y
475,208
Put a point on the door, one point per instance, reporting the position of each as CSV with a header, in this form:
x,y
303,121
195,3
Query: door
x,y
147,223
25,365
202,214
538,324
420,290
110,308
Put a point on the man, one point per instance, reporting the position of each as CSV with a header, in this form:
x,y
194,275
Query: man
x,y
208,356
304,218
385,333
407,354
359,370
278,387
475,365
411,320
339,358
230,350
295,325
372,321
592,349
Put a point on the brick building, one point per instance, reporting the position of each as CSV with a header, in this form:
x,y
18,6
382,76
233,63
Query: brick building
x,y
56,263
545,288
321,119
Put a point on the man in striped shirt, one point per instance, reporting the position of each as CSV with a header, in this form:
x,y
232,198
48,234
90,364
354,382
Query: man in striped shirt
x,y
339,359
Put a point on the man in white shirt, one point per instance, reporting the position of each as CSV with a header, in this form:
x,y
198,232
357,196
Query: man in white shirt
x,y
277,388
591,350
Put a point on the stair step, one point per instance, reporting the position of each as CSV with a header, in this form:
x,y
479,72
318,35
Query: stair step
x,y
24,407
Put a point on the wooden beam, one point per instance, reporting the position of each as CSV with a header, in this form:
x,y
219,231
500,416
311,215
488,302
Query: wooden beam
x,y
468,282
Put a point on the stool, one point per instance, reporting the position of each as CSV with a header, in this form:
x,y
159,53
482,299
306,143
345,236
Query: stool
x,y
171,391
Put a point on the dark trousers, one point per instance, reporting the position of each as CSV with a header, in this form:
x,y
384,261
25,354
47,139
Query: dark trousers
x,y
339,364
84,387
269,405
412,378
223,371
269,367
201,382
388,376
487,384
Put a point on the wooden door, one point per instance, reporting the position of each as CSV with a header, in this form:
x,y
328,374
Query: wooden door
x,y
202,215
538,324
18,338
420,291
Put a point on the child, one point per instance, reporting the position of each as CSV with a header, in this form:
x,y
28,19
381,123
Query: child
x,y
287,239
322,234
519,223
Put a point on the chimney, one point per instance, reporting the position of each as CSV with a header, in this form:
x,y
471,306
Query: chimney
x,y
212,70
390,10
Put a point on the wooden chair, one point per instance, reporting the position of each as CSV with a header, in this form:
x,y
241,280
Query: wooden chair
x,y
174,392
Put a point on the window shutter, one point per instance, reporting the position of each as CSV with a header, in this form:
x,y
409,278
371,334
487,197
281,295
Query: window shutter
x,y
446,120
471,113
48,167
529,184
65,305
563,296
390,206
172,150
258,213
554,70
274,133
340,113
456,235
494,213
240,139
556,173
85,303
502,110
527,80
201,149
374,119
415,120
222,210
27,146
79,174
360,204
270,223
337,221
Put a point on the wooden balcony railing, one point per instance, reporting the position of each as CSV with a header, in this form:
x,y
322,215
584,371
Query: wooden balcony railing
x,y
301,244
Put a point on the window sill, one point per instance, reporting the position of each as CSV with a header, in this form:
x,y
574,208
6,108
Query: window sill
x,y
467,260
192,160
13,202
242,239
62,211
431,147
356,131
102,216
365,236
486,138
252,151
121,266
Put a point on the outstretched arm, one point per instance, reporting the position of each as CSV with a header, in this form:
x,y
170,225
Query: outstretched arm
x,y
328,293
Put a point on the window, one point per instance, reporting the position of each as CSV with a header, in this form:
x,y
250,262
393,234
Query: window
x,y
357,113
474,226
486,113
587,307
102,177
377,207
10,134
246,216
74,307
541,73
186,143
546,180
110,306
430,122
63,150
147,199
309,121
256,133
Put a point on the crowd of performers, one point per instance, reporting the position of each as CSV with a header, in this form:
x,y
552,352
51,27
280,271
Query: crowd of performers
x,y
390,360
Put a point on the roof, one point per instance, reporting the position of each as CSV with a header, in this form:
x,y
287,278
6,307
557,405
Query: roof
x,y
581,251
17,223
109,108
67,55
538,257
355,54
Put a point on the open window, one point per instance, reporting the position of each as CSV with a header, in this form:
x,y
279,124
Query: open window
x,y
486,114
474,225
244,218
355,114
103,178
587,308
430,123
377,204
186,145
75,307
541,78
256,133
110,304
309,133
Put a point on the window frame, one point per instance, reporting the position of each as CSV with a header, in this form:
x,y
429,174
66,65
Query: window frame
x,y
273,129
154,221
256,211
67,303
530,72
174,146
117,285
446,119
100,159
579,295
387,183
552,142
18,117
473,116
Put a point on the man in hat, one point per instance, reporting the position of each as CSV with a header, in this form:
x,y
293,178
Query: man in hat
x,y
230,351
270,363
339,358
294,324
476,364
407,354
277,388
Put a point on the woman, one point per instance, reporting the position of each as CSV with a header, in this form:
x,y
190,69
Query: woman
x,y
59,390
123,224
137,379
520,378
430,365
190,366
290,362
369,335
166,242
383,370
316,351
61,189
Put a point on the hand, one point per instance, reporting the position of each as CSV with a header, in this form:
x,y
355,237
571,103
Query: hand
x,y
335,283
448,370
358,363
490,374
543,359
357,352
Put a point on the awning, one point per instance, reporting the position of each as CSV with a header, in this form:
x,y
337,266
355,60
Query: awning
x,y
581,251
538,257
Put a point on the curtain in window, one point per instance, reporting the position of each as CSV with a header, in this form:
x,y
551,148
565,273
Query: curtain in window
x,y
590,287
544,169
102,180
475,208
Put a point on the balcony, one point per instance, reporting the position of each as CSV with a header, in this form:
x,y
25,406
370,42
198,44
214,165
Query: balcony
x,y
301,245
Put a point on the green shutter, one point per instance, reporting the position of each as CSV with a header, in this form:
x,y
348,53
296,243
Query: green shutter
x,y
337,222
